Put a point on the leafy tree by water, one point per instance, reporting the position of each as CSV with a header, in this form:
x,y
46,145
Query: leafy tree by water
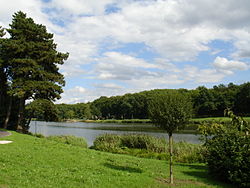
x,y
170,111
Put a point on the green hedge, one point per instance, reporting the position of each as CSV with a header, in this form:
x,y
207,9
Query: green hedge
x,y
228,158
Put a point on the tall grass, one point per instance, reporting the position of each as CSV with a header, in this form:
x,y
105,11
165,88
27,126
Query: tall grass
x,y
147,146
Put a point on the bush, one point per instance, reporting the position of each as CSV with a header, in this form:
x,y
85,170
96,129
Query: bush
x,y
71,140
144,142
228,158
107,142
147,146
188,153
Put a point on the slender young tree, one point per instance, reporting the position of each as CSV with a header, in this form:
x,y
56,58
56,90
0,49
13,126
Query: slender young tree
x,y
32,70
170,111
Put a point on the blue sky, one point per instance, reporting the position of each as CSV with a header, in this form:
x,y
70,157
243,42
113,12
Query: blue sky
x,y
126,46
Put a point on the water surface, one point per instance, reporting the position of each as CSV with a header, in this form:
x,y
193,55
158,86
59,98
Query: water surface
x,y
91,130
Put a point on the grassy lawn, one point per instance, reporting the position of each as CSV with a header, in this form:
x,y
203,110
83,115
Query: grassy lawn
x,y
39,162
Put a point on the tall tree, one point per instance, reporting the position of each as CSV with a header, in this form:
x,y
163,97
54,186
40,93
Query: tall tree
x,y
169,111
3,80
32,60
242,102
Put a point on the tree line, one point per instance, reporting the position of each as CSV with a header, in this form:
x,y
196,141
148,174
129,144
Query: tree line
x,y
28,71
207,102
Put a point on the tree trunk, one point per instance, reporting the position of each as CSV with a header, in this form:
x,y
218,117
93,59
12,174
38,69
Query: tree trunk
x,y
171,158
8,114
20,112
27,125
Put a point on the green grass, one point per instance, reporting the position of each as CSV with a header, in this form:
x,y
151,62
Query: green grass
x,y
38,162
69,139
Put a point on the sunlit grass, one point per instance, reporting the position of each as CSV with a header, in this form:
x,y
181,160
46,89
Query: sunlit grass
x,y
38,162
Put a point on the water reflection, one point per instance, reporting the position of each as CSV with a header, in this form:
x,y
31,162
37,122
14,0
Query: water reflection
x,y
91,130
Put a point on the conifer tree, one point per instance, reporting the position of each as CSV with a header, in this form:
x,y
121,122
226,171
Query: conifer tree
x,y
32,66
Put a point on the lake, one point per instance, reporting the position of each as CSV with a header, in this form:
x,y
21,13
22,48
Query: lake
x,y
91,130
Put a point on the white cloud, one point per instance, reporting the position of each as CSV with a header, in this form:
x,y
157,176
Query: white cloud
x,y
73,95
118,66
81,7
194,74
177,31
228,66
111,86
125,60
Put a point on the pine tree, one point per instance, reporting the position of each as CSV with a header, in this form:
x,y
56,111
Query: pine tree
x,y
3,81
32,60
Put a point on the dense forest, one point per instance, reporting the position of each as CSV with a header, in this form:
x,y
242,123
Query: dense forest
x,y
207,102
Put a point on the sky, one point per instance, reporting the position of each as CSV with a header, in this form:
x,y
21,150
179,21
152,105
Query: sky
x,y
128,46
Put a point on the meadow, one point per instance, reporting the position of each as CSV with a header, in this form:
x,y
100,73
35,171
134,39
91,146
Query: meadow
x,y
39,162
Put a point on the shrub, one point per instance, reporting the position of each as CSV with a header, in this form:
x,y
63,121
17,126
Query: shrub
x,y
144,142
71,140
107,142
228,158
188,153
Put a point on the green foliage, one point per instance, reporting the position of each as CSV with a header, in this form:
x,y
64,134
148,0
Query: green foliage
x,y
73,111
228,158
29,68
209,129
42,109
238,121
242,100
108,142
68,139
170,110
228,150
2,33
146,146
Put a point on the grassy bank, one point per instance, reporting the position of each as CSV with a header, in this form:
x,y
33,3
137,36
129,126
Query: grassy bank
x,y
39,162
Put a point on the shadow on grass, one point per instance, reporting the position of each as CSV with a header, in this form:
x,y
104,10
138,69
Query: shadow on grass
x,y
123,168
201,173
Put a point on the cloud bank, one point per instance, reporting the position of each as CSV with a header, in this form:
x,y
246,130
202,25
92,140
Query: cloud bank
x,y
127,46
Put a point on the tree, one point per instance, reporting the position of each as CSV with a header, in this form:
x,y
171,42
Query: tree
x,y
3,81
204,102
31,60
169,111
242,101
41,109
